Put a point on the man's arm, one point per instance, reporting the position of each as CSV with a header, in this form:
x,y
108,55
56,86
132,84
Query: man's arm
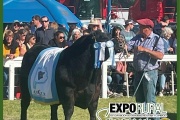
x,y
152,53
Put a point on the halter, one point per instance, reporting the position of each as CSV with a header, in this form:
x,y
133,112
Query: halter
x,y
100,52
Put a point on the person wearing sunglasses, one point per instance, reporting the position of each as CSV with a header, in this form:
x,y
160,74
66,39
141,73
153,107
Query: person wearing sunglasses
x,y
45,33
59,40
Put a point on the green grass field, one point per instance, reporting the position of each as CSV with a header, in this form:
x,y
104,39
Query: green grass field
x,y
11,109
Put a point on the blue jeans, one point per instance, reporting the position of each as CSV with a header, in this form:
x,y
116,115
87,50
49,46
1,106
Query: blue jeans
x,y
147,88
146,93
117,80
162,81
5,82
109,80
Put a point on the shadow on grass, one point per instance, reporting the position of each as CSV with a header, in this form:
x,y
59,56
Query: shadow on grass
x,y
172,116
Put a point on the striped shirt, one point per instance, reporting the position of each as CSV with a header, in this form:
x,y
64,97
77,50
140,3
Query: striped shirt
x,y
141,59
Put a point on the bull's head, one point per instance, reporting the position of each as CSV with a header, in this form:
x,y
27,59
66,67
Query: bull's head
x,y
105,48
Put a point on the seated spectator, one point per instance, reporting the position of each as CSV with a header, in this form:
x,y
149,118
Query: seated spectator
x,y
109,80
118,77
59,40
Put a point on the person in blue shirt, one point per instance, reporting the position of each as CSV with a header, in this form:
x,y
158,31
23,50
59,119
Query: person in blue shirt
x,y
145,61
127,32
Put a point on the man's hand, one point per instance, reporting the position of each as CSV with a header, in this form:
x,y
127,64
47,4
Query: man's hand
x,y
141,49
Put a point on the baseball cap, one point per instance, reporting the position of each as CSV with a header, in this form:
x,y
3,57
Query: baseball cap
x,y
146,22
129,22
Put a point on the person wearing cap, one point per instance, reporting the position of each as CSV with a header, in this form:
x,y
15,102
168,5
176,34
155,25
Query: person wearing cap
x,y
145,61
127,33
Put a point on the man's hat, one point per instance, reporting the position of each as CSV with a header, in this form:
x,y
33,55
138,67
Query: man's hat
x,y
93,22
146,22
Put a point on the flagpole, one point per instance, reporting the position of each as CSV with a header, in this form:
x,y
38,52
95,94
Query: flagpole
x,y
108,17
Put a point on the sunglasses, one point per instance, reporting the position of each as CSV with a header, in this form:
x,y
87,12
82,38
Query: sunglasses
x,y
44,21
61,37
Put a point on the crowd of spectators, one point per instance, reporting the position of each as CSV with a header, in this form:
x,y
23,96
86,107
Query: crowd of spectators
x,y
20,37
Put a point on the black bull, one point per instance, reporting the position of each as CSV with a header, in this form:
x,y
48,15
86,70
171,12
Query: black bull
x,y
77,81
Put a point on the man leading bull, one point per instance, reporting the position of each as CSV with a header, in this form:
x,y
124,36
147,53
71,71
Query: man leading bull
x,y
148,47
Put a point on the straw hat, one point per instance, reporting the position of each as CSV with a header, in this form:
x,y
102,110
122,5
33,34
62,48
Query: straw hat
x,y
94,22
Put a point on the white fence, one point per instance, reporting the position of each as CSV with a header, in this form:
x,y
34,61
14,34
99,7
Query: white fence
x,y
16,63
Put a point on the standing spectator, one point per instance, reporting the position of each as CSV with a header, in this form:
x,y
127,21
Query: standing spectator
x,y
45,33
100,27
166,35
84,27
15,28
76,34
10,46
72,26
59,40
145,61
93,25
36,23
127,32
160,26
86,32
22,35
174,45
10,51
54,25
165,21
30,40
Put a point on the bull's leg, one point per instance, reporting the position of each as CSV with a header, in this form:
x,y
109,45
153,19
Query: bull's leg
x,y
92,110
54,109
25,101
68,103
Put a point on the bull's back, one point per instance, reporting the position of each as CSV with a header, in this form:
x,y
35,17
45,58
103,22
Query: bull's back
x,y
28,61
